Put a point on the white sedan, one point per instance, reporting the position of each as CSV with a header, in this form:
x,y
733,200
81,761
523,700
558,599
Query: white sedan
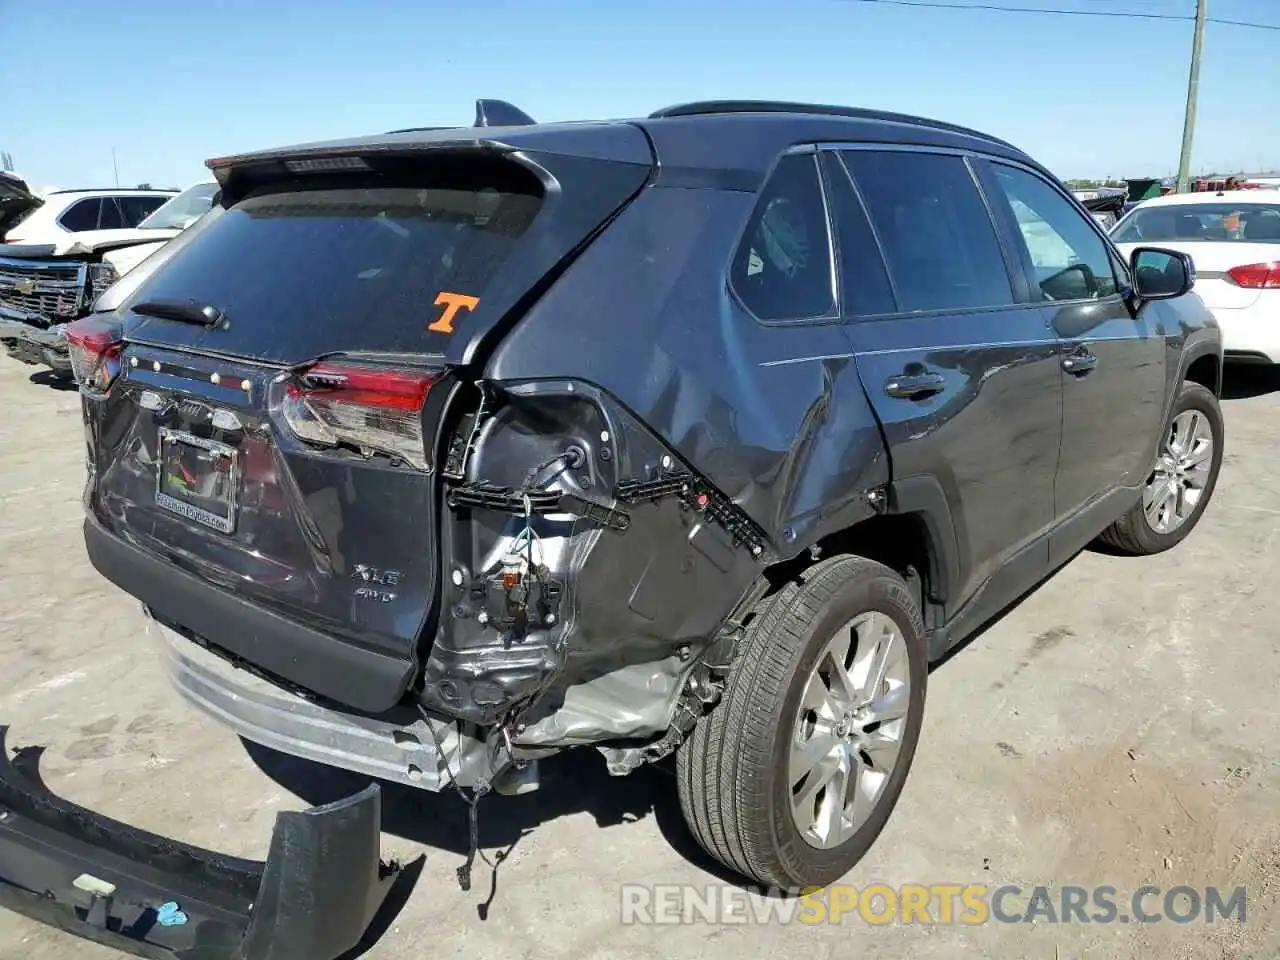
x,y
1234,239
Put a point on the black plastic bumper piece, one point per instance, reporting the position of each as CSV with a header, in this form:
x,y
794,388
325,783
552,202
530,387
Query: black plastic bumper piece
x,y
322,664
313,898
35,344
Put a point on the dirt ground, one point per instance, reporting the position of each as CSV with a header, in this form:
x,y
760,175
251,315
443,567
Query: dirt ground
x,y
1119,727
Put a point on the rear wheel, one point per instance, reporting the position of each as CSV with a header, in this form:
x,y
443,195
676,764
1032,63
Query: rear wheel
x,y
794,774
1182,479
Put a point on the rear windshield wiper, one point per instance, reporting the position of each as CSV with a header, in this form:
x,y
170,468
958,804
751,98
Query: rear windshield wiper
x,y
186,311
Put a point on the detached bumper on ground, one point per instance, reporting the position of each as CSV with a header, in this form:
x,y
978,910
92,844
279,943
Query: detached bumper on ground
x,y
37,345
312,899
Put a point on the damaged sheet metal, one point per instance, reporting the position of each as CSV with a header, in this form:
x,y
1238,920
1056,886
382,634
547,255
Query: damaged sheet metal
x,y
588,571
149,896
772,413
667,398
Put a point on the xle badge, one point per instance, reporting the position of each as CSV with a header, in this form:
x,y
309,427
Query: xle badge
x,y
452,303
374,575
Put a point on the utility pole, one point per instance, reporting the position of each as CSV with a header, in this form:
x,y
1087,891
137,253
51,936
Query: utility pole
x,y
1193,90
116,169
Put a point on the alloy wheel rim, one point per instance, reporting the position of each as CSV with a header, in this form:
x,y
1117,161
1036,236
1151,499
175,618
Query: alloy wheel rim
x,y
1177,484
849,729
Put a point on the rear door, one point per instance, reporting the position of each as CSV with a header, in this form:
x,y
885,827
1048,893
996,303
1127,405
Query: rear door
x,y
962,372
274,428
1113,361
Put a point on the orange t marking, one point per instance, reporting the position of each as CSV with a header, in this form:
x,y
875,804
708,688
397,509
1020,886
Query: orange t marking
x,y
452,303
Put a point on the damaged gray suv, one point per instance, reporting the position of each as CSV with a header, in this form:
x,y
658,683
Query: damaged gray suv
x,y
436,453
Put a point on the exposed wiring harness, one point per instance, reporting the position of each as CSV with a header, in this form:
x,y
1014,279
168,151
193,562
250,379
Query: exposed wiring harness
x,y
478,791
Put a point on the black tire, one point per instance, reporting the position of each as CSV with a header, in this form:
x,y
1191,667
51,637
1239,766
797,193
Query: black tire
x,y
1132,533
731,772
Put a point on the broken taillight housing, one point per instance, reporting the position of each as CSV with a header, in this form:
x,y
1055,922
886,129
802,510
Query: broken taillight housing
x,y
372,409
95,346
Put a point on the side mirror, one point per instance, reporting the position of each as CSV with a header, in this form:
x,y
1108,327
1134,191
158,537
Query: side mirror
x,y
1161,274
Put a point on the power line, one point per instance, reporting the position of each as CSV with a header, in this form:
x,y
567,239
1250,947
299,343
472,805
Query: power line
x,y
1000,8
1246,23
1126,14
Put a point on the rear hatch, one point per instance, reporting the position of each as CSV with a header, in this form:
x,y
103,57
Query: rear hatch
x,y
274,422
16,201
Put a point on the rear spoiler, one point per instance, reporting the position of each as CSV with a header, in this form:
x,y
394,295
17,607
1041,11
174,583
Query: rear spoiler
x,y
70,868
489,113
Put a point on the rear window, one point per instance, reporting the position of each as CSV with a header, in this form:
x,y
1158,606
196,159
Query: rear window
x,y
1212,222
348,263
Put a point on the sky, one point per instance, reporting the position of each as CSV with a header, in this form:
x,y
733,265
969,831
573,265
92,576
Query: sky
x,y
170,83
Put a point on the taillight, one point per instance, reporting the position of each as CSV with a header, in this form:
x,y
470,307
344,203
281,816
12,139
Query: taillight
x,y
372,409
95,346
1257,276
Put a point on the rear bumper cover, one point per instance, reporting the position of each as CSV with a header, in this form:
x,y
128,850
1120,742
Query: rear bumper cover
x,y
338,671
313,898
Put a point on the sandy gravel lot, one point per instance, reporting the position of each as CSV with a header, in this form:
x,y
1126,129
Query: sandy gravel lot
x,y
1118,727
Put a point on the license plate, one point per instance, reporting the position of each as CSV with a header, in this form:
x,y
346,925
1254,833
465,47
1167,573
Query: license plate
x,y
196,478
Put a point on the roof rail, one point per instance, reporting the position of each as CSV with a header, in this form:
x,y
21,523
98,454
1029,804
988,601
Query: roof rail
x,y
499,113
114,190
704,108
418,130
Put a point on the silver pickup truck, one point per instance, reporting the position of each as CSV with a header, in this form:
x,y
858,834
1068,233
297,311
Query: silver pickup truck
x,y
60,253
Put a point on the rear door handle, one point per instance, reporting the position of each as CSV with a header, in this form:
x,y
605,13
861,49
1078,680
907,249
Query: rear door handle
x,y
915,387
1078,364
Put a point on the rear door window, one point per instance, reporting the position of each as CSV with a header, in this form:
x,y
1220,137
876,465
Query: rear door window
x,y
1071,261
865,290
782,268
934,227
81,216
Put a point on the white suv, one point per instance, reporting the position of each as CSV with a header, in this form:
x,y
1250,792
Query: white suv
x,y
87,217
